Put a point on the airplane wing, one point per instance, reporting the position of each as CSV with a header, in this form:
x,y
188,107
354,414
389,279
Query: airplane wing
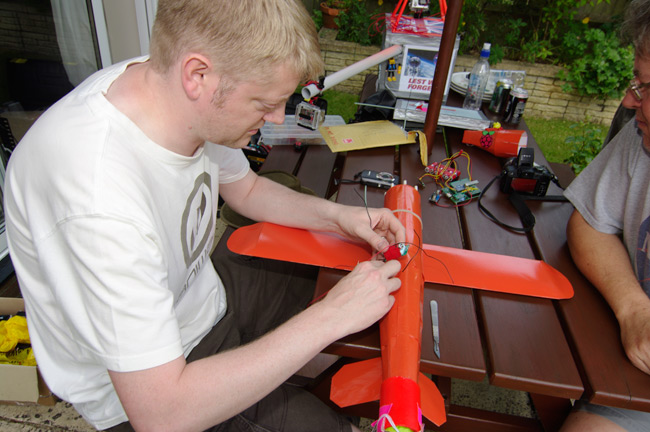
x,y
443,265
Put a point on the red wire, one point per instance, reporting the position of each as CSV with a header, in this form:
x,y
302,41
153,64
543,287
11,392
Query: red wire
x,y
378,23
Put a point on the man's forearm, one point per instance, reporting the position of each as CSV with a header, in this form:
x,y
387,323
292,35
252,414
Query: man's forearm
x,y
197,395
179,396
604,260
262,199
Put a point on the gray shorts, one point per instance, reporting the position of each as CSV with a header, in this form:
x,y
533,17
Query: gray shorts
x,y
262,294
631,421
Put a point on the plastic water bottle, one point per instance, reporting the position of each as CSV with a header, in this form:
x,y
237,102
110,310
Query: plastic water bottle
x,y
478,80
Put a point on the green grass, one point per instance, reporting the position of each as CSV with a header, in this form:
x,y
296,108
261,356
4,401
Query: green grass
x,y
339,103
549,134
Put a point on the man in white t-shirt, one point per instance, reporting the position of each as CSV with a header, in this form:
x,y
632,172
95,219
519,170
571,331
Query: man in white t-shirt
x,y
111,204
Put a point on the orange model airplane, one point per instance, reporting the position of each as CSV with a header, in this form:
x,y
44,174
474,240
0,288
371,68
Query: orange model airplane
x,y
404,393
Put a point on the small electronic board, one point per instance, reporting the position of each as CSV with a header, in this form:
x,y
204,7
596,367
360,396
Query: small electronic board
x,y
443,171
458,192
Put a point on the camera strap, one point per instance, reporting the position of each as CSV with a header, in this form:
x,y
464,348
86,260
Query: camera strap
x,y
527,217
518,201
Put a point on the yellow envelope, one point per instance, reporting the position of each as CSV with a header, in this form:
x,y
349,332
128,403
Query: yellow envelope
x,y
380,133
356,136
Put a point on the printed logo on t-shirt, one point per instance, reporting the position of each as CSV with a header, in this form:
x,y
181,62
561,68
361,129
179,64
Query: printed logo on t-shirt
x,y
197,219
642,264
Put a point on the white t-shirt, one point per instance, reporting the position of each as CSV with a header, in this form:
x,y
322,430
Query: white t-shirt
x,y
110,235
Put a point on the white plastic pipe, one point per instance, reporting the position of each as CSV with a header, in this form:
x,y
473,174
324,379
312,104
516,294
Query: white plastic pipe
x,y
312,90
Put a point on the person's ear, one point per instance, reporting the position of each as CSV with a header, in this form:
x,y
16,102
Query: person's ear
x,y
196,74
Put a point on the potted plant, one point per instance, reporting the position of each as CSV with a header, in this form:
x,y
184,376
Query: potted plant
x,y
331,9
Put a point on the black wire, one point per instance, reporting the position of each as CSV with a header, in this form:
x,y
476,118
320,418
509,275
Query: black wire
x,y
365,203
437,259
525,229
493,218
346,181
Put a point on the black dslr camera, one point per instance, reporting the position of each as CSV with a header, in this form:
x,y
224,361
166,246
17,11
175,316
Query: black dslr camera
x,y
522,175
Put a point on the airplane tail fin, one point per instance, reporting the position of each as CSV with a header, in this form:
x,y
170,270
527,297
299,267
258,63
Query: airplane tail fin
x,y
431,401
357,383
361,382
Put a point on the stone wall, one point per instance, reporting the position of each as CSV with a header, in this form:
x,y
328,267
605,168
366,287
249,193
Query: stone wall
x,y
546,98
338,55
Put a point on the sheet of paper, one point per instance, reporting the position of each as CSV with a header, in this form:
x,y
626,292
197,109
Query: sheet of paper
x,y
364,135
416,111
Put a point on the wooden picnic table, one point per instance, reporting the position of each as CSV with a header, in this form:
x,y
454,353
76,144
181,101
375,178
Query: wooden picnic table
x,y
554,350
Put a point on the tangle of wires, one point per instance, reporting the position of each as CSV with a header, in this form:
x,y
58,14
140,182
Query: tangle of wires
x,y
445,175
395,250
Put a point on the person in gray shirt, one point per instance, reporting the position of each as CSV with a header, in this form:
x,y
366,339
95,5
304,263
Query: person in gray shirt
x,y
609,230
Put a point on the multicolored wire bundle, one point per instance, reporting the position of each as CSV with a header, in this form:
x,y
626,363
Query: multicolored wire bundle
x,y
445,175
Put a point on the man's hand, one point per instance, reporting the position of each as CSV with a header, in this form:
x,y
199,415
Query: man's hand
x,y
603,259
635,334
364,296
378,227
264,200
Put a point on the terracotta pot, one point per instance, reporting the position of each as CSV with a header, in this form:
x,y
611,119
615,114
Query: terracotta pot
x,y
329,13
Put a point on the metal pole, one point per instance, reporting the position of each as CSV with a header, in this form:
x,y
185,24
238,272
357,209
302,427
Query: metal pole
x,y
442,70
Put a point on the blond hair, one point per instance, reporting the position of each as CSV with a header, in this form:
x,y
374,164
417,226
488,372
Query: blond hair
x,y
241,37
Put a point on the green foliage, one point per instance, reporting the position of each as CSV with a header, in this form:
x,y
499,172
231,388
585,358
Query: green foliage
x,y
601,67
356,24
497,54
534,50
474,26
585,145
554,14
596,63
525,30
317,16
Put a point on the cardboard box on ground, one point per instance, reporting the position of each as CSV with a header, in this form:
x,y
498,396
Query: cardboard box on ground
x,y
21,385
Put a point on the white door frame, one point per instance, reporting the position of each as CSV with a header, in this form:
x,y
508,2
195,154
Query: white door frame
x,y
145,11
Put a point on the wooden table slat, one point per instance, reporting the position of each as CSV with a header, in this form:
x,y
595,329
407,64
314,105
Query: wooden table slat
x,y
284,158
317,165
447,230
464,360
457,314
515,326
589,321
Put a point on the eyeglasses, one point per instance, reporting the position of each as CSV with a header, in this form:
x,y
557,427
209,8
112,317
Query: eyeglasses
x,y
636,88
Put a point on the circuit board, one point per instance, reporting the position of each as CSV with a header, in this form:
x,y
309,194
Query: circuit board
x,y
458,192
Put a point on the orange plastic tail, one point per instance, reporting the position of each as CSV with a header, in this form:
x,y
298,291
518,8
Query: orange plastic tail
x,y
357,383
432,402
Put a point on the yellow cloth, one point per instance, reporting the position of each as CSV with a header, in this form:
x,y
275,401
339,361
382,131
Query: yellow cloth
x,y
23,357
12,332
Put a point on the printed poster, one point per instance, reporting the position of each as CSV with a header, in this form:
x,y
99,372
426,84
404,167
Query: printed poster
x,y
418,67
